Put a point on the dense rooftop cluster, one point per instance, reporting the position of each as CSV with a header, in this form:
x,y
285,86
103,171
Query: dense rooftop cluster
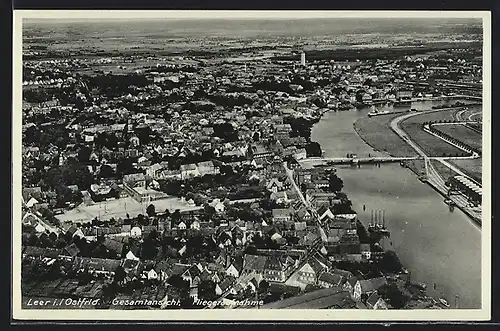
x,y
168,180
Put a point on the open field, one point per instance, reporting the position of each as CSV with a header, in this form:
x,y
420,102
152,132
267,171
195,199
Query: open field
x,y
443,115
443,170
462,133
376,132
416,166
120,208
471,167
478,127
433,146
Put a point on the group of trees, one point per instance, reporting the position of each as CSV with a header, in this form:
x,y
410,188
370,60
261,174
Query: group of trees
x,y
300,126
313,149
59,178
393,295
390,263
193,187
52,134
229,101
335,183
113,85
225,131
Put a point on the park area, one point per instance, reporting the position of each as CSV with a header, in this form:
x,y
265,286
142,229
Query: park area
x,y
377,133
432,145
119,208
462,133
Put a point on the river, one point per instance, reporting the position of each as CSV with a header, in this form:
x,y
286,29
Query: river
x,y
438,246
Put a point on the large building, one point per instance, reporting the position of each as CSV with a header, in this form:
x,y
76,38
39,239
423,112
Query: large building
x,y
303,58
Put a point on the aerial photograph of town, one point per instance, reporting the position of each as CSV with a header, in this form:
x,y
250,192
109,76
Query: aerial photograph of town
x,y
252,163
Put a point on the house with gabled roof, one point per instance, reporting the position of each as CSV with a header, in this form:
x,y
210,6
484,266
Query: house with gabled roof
x,y
254,263
71,250
274,185
162,269
282,215
73,231
274,269
32,202
232,271
189,171
375,301
190,274
367,286
309,272
325,213
328,279
226,284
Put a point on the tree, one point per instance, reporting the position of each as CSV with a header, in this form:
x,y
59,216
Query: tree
x,y
189,196
313,149
225,131
335,184
119,274
390,262
364,236
206,290
106,171
263,286
177,282
176,215
344,207
149,249
142,220
392,294
84,154
150,210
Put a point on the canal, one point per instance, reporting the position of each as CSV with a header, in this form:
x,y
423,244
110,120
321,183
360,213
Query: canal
x,y
438,246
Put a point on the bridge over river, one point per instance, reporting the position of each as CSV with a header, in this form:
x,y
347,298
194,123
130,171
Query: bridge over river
x,y
355,160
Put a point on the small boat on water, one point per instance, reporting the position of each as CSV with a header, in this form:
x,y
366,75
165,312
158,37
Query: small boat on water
x,y
375,112
444,302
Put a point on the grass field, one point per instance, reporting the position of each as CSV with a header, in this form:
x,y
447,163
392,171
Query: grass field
x,y
417,166
462,133
442,115
432,146
471,167
443,170
377,133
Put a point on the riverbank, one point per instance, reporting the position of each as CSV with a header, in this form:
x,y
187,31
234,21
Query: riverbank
x,y
412,128
423,230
